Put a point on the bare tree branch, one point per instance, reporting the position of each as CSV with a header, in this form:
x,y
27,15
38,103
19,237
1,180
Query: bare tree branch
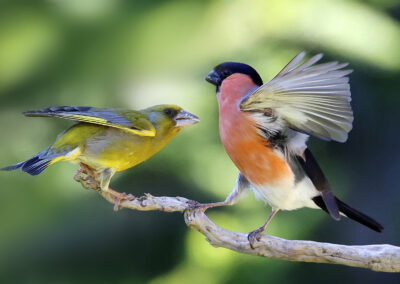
x,y
384,258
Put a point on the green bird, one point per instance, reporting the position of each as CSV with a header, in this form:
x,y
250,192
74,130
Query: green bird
x,y
106,141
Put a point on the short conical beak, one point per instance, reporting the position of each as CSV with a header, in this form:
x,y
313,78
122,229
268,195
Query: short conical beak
x,y
185,118
213,78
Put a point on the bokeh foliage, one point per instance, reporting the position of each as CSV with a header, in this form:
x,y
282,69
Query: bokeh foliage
x,y
115,53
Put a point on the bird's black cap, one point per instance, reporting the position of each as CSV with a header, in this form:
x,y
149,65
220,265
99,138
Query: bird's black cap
x,y
224,70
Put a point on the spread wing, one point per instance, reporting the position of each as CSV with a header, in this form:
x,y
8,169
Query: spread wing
x,y
128,120
309,98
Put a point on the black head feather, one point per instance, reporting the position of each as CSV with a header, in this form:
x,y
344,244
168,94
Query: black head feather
x,y
226,69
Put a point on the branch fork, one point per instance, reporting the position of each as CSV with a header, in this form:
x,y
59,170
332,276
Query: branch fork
x,y
385,258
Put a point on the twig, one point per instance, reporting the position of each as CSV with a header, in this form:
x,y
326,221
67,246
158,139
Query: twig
x,y
385,258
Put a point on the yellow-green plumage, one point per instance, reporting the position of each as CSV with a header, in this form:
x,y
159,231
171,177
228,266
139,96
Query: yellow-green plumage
x,y
106,147
108,140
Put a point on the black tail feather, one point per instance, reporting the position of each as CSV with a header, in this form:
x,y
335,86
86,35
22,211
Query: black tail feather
x,y
33,166
13,167
351,213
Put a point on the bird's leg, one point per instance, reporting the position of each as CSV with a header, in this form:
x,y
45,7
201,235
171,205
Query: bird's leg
x,y
100,182
91,175
256,235
85,170
92,178
77,176
204,206
118,197
233,197
90,181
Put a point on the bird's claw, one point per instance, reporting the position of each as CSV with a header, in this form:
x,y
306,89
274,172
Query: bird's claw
x,y
87,177
89,183
90,180
194,205
255,236
128,196
202,207
77,176
119,197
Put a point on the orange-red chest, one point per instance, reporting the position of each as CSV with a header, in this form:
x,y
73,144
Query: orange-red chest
x,y
260,164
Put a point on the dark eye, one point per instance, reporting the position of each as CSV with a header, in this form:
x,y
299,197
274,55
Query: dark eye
x,y
171,113
226,73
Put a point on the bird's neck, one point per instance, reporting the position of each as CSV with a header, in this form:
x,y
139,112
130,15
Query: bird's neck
x,y
231,93
165,134
233,89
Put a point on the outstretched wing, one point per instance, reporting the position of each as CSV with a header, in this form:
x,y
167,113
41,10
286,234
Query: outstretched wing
x,y
313,99
128,120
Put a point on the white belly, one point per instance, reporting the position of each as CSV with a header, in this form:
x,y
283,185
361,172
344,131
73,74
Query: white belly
x,y
288,196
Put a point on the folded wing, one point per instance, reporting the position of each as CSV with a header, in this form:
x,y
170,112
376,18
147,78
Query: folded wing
x,y
128,120
313,99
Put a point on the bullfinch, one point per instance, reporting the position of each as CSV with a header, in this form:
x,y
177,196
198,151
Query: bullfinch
x,y
264,128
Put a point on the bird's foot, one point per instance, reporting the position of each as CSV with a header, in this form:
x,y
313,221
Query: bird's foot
x,y
77,176
87,177
194,205
255,236
90,183
119,197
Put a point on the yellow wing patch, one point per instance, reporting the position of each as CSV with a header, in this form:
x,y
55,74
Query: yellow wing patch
x,y
101,121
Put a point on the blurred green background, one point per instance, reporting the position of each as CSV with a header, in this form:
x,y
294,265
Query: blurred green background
x,y
114,53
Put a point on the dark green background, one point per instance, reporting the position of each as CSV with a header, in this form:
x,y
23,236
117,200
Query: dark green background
x,y
114,53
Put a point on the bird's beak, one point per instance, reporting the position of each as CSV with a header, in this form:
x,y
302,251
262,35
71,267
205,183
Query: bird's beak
x,y
185,118
213,78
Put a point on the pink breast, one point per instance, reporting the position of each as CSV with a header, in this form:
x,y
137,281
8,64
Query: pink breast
x,y
241,140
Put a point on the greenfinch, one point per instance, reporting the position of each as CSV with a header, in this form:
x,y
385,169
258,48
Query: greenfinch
x,y
106,141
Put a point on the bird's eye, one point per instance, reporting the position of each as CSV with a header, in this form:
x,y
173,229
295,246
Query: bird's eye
x,y
170,112
226,73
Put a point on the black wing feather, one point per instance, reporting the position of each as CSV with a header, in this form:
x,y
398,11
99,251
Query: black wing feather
x,y
314,172
128,120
